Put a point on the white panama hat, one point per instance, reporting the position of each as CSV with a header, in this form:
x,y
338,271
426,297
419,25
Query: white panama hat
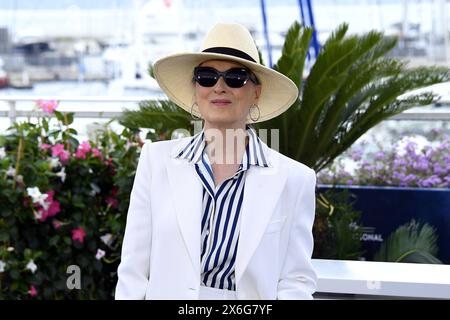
x,y
232,42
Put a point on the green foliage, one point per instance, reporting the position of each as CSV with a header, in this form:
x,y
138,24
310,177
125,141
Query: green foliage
x,y
163,116
86,185
413,242
336,227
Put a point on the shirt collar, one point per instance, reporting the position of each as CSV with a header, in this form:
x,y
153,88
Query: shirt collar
x,y
255,154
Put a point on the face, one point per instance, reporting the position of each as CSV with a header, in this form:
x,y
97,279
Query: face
x,y
222,106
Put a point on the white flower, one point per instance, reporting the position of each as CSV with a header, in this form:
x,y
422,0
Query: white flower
x,y
11,172
38,197
2,153
19,178
38,214
31,266
10,249
54,162
62,174
100,254
107,238
95,189
2,266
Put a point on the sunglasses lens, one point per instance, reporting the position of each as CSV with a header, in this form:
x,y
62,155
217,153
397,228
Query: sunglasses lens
x,y
206,77
236,78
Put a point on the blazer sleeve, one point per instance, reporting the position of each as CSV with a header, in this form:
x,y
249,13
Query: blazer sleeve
x,y
134,268
298,278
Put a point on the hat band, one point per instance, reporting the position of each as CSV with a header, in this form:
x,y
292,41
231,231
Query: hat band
x,y
230,52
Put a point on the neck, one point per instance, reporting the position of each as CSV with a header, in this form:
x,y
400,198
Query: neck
x,y
225,145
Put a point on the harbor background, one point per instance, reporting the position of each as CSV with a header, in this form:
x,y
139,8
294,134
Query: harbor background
x,y
103,48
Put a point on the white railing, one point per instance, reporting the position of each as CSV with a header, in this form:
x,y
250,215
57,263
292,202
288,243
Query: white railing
x,y
387,279
13,112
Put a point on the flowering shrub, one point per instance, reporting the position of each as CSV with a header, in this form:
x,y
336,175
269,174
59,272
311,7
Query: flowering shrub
x,y
62,203
413,161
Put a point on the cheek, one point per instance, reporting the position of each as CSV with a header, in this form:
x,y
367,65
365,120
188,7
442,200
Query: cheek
x,y
201,93
245,98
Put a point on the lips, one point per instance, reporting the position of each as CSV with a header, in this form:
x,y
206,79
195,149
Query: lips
x,y
221,102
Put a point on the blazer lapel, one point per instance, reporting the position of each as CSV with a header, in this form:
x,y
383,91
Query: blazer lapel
x,y
186,195
263,188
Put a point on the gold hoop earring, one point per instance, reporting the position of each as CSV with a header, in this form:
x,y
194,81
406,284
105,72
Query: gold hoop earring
x,y
250,112
192,115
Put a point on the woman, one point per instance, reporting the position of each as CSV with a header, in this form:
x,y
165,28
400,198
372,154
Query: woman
x,y
208,220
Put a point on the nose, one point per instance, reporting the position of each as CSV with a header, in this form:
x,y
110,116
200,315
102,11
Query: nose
x,y
220,85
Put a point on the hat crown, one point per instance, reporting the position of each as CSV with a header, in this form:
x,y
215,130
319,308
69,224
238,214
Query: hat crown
x,y
233,36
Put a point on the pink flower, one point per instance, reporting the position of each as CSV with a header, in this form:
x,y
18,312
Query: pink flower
x,y
83,148
97,153
100,254
112,202
32,292
44,146
80,155
56,224
58,151
53,207
78,234
48,106
114,191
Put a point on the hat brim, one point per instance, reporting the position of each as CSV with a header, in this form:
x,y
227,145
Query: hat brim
x,y
174,75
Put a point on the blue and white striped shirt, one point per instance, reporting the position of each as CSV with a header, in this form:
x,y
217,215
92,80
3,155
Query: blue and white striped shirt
x,y
222,206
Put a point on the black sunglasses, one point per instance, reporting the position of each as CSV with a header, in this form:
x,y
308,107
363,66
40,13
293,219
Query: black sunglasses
x,y
234,77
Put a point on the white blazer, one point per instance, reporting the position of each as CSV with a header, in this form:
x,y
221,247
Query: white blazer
x,y
161,247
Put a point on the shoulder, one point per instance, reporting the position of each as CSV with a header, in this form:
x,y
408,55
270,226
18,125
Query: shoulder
x,y
290,165
166,148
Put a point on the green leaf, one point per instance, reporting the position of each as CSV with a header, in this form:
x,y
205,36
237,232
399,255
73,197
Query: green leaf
x,y
164,116
69,117
59,116
54,240
72,131
412,242
68,241
14,274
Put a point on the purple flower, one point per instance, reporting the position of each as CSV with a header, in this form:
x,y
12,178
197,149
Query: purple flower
x,y
356,155
421,165
379,155
437,169
411,147
432,181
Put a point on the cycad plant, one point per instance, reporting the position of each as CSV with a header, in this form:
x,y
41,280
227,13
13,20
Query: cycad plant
x,y
352,86
413,242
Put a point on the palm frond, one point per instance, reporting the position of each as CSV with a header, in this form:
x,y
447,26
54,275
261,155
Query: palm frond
x,y
158,115
290,64
295,50
413,242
